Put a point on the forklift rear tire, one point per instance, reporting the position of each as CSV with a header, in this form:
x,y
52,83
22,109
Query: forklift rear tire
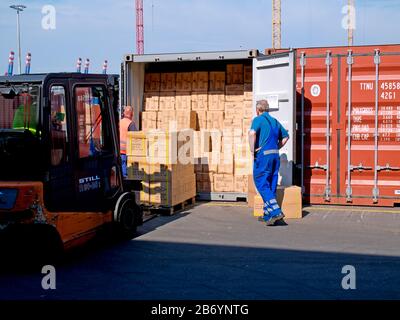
x,y
126,215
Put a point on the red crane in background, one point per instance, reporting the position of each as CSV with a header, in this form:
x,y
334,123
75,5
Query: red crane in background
x,y
139,27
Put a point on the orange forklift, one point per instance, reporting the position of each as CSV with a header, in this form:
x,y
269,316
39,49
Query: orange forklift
x,y
60,168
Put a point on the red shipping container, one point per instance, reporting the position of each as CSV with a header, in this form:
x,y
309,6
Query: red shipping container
x,y
348,139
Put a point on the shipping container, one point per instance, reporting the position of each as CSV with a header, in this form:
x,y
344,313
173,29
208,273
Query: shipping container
x,y
234,73
348,115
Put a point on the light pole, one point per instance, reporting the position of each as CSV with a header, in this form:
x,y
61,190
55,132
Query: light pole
x,y
19,8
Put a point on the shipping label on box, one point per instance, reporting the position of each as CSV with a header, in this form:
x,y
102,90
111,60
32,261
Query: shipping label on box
x,y
152,82
151,101
200,81
234,74
216,101
199,101
184,81
183,101
248,74
168,82
217,81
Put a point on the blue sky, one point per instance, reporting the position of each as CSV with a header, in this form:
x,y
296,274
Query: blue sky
x,y
104,29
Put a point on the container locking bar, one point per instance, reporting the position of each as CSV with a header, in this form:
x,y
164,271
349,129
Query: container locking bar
x,y
318,166
377,61
387,167
349,191
303,65
360,167
328,63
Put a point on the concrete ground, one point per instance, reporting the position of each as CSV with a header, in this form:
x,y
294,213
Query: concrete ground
x,y
219,251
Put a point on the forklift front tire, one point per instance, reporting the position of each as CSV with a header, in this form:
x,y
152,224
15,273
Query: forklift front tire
x,y
126,215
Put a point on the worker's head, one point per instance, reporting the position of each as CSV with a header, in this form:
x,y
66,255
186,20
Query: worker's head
x,y
128,112
262,106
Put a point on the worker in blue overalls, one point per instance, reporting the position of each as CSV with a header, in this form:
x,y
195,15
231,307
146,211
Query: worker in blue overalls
x,y
266,137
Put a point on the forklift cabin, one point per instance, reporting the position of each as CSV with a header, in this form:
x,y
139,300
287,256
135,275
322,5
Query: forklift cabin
x,y
60,166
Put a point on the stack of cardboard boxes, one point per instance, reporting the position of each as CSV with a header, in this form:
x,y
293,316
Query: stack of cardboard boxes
x,y
153,159
217,106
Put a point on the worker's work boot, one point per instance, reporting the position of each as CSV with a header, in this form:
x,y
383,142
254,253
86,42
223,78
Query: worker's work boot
x,y
277,217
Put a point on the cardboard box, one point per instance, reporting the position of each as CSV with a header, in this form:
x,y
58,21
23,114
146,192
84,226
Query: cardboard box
x,y
248,92
183,101
137,168
217,81
225,164
234,110
201,143
246,125
167,101
149,120
152,82
241,184
166,120
229,142
136,144
250,199
258,206
234,93
248,111
186,120
199,101
200,81
234,74
248,74
251,185
168,82
223,183
210,162
215,120
232,127
243,167
156,172
168,193
201,120
151,101
290,201
216,101
184,81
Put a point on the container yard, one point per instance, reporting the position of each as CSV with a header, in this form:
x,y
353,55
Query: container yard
x,y
240,171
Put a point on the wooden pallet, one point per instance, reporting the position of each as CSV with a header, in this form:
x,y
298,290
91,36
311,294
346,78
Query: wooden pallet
x,y
170,210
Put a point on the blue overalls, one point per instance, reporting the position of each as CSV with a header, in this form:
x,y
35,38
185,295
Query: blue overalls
x,y
266,167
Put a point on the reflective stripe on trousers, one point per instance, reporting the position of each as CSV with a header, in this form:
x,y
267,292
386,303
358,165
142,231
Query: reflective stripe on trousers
x,y
265,173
